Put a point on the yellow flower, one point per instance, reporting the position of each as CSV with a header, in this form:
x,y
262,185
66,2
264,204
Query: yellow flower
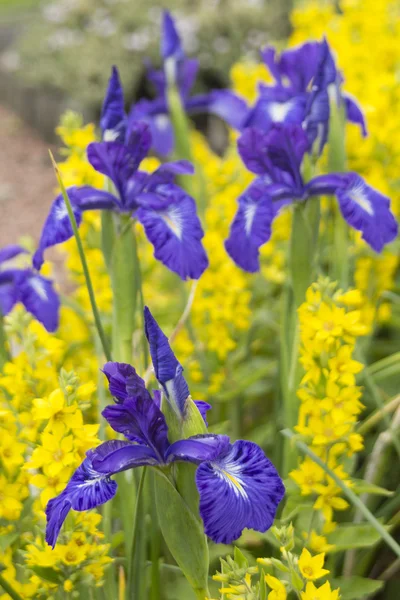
x,y
329,500
68,585
10,502
72,554
40,554
307,475
278,589
311,566
322,593
11,451
319,543
55,453
55,410
51,485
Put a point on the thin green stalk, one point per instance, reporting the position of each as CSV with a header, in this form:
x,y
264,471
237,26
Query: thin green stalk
x,y
4,354
371,387
381,365
378,415
337,164
9,589
348,492
85,268
133,571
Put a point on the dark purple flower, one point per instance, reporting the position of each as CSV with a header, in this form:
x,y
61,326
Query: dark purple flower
x,y
182,71
275,157
305,78
30,288
166,211
238,485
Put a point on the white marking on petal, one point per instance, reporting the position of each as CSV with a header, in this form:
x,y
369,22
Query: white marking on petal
x,y
358,195
279,110
249,214
173,220
230,472
61,211
38,287
162,121
110,135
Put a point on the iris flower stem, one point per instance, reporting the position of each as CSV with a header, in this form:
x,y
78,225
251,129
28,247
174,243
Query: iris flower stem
x,y
337,164
302,261
133,571
348,492
85,267
9,589
181,128
4,354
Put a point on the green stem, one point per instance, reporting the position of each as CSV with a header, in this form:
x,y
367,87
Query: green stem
x,y
302,262
85,268
337,164
378,415
351,496
9,589
133,570
124,281
372,388
4,354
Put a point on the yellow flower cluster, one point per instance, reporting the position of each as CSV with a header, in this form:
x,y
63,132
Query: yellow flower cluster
x,y
296,573
371,75
44,435
330,398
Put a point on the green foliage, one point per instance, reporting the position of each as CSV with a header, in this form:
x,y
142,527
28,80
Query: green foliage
x,y
72,44
352,588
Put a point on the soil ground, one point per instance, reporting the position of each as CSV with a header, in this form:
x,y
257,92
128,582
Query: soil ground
x,y
27,180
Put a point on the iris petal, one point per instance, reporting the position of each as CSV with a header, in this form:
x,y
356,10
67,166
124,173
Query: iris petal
x,y
173,227
241,488
251,227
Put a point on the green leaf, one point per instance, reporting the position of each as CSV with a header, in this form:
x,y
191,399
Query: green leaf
x,y
240,558
7,540
352,588
48,574
346,537
363,487
183,533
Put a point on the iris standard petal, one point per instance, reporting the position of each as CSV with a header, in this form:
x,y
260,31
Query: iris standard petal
x,y
170,41
166,367
251,227
171,224
123,381
203,408
164,360
241,488
139,419
354,113
113,118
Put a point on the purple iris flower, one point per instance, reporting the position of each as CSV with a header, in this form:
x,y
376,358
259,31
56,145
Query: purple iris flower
x,y
182,71
30,288
304,77
166,211
275,157
238,486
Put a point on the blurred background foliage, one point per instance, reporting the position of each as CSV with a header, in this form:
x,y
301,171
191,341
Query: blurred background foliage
x,y
71,44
